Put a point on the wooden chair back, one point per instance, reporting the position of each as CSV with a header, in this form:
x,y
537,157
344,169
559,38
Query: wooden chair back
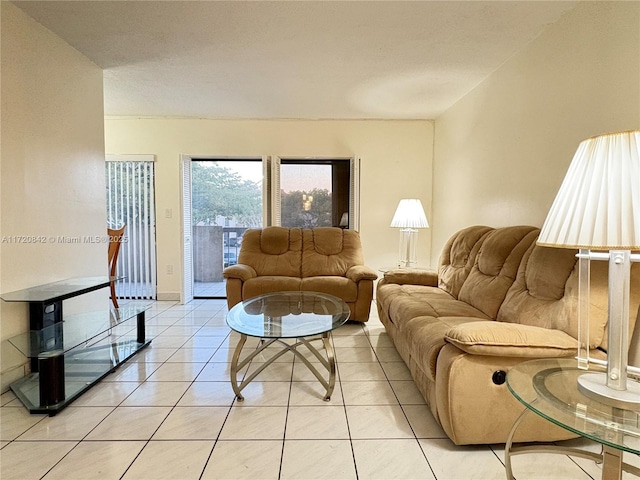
x,y
115,240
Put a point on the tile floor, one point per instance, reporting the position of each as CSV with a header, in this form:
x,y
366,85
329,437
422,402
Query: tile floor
x,y
209,289
170,413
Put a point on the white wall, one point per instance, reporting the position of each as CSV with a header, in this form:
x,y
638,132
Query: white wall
x,y
502,151
396,163
52,167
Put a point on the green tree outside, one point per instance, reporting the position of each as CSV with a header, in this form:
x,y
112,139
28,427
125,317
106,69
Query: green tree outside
x,y
299,211
219,191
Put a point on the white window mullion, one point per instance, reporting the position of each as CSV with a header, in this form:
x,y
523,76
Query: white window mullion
x,y
186,294
276,200
354,201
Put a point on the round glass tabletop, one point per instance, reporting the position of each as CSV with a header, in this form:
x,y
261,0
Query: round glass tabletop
x,y
288,315
549,387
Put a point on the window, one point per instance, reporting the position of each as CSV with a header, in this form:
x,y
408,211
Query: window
x,y
318,192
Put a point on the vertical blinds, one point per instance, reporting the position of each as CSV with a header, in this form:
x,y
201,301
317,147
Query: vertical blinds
x,y
130,201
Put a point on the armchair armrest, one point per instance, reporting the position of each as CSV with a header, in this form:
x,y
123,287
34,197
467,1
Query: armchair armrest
x,y
361,272
503,339
239,271
404,276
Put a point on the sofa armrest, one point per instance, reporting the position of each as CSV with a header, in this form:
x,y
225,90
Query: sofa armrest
x,y
361,272
503,339
239,271
409,276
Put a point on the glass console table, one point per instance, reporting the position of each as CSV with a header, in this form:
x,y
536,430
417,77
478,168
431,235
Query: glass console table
x,y
71,353
549,388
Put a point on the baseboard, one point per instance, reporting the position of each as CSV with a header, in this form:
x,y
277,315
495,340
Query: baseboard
x,y
11,375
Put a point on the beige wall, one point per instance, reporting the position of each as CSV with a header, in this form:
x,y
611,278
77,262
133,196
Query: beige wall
x,y
396,163
52,167
502,151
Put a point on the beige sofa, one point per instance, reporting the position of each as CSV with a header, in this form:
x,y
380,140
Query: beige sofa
x,y
326,259
497,299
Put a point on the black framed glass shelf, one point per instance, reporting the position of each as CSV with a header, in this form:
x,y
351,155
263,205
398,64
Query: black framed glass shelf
x,y
61,290
75,330
84,366
68,354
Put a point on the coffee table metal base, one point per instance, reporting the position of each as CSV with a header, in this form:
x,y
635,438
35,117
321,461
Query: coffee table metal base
x,y
328,363
611,458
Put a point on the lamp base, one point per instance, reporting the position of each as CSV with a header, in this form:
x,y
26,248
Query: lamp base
x,y
594,386
406,264
408,240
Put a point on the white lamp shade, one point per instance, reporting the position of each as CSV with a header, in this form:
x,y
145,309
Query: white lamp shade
x,y
410,214
598,204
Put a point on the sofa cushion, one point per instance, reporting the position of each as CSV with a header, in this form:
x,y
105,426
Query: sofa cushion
x,y
340,287
268,284
410,276
272,251
496,267
277,240
426,336
330,251
404,302
458,257
511,340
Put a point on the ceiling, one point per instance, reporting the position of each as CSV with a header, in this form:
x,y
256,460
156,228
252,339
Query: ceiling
x,y
294,59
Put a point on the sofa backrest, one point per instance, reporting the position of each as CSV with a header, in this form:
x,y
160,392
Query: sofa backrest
x,y
458,257
545,294
330,251
272,251
495,267
296,252
506,275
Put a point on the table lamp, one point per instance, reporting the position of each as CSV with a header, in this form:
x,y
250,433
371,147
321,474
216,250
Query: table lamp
x,y
409,217
597,210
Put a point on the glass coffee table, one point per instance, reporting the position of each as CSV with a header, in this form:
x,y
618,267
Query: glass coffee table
x,y
302,318
549,388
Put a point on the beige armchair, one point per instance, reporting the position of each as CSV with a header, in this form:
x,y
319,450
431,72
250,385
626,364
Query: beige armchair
x,y
325,259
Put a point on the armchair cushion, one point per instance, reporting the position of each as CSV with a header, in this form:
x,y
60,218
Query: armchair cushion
x,y
361,272
272,251
243,272
330,251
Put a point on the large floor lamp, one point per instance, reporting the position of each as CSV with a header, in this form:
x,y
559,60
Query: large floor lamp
x,y
597,210
409,217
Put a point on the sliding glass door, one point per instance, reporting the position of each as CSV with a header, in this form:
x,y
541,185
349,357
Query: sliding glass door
x,y
226,199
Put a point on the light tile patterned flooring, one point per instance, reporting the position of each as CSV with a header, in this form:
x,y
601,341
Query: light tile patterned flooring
x,y
170,413
209,289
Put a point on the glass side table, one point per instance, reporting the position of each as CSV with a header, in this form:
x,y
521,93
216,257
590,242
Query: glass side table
x,y
549,388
